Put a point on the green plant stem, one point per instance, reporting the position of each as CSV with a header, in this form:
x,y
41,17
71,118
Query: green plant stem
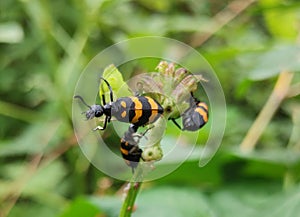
x,y
134,187
18,112
128,204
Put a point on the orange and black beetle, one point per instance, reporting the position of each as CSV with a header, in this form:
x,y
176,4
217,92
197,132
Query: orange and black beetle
x,y
137,110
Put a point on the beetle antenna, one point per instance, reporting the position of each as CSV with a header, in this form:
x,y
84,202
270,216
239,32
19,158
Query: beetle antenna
x,y
110,89
82,100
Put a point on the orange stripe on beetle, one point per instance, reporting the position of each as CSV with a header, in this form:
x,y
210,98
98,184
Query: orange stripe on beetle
x,y
152,103
124,151
138,108
203,113
203,104
154,108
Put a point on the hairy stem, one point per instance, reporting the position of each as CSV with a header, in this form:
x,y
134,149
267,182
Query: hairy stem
x,y
128,205
134,187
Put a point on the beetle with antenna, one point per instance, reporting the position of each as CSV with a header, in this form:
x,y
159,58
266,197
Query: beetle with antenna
x,y
137,110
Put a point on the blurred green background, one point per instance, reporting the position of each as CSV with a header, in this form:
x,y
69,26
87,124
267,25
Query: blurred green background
x,y
45,45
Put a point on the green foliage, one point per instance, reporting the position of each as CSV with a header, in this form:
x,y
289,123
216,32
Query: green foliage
x,y
115,79
46,44
188,203
286,57
282,27
81,207
243,198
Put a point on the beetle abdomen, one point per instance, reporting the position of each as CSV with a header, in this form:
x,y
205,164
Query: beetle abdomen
x,y
138,110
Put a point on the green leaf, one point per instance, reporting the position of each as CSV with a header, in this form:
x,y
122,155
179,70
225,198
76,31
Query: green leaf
x,y
274,61
46,179
175,202
161,202
185,23
25,210
256,200
11,32
116,81
34,140
158,5
81,207
281,21
282,205
42,185
275,156
189,173
243,199
109,205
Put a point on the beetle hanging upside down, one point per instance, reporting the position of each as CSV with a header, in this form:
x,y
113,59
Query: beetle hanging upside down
x,y
195,117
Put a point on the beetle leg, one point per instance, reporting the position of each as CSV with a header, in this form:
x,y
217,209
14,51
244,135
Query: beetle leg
x,y
176,124
104,126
